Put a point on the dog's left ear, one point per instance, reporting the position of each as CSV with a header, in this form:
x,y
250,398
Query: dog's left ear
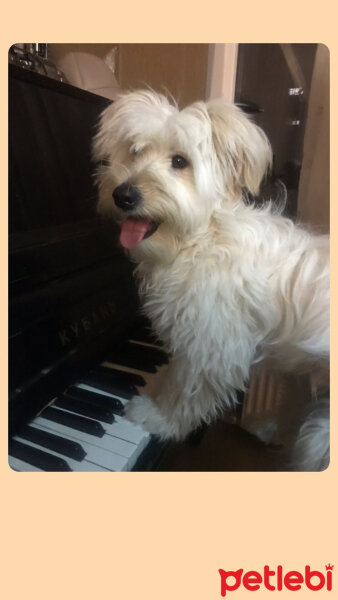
x,y
242,148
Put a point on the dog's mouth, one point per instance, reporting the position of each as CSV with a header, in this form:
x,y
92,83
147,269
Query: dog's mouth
x,y
133,231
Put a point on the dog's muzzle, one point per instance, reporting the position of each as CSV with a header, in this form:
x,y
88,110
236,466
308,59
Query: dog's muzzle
x,y
136,227
127,196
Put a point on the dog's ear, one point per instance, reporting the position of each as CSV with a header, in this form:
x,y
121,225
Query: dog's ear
x,y
242,148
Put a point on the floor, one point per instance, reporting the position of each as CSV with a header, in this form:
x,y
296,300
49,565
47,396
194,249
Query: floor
x,y
222,447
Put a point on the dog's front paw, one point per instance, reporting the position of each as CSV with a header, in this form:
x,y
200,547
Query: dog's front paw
x,y
142,411
139,410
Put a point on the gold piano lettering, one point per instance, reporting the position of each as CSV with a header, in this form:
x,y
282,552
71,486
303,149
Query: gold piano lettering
x,y
64,337
86,322
96,318
75,327
104,311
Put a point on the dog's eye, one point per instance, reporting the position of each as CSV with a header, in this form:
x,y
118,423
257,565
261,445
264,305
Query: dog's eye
x,y
179,162
136,150
105,162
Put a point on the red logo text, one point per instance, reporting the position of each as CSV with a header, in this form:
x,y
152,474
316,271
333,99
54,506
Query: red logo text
x,y
276,579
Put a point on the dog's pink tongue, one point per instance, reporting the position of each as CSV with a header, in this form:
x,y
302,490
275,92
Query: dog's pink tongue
x,y
133,232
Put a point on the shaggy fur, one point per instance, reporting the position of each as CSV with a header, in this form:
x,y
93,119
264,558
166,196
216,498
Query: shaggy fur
x,y
226,285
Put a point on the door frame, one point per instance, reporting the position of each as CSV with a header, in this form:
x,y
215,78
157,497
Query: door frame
x,y
222,71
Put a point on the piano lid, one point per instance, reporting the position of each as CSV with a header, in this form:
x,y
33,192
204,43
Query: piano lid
x,y
52,195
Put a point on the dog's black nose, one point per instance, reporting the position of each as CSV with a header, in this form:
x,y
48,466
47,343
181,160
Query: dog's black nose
x,y
126,196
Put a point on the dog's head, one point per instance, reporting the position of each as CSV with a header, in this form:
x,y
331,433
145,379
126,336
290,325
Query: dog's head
x,y
163,172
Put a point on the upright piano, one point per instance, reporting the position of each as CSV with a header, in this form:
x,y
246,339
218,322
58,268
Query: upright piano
x,y
78,345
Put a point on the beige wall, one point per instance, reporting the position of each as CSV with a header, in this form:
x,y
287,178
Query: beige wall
x,y
179,68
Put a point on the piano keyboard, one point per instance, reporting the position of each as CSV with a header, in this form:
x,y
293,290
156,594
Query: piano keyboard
x,y
84,429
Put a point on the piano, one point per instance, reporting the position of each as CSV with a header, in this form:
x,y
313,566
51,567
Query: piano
x,y
79,347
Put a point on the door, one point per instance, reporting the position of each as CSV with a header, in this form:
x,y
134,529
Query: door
x,y
273,84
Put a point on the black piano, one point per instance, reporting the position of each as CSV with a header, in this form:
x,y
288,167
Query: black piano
x,y
78,347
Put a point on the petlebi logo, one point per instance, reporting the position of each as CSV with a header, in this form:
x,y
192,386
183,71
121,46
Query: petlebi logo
x,y
276,579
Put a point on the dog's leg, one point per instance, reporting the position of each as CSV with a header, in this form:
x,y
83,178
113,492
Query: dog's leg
x,y
184,401
174,423
144,411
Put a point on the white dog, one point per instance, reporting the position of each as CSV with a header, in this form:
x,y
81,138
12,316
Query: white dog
x,y
225,284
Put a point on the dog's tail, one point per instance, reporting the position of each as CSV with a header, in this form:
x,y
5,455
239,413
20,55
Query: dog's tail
x,y
311,450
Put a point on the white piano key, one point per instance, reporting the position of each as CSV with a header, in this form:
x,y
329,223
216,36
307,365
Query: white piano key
x,y
100,454
83,465
21,465
90,388
121,429
96,446
153,381
115,444
126,430
146,344
118,367
131,451
132,460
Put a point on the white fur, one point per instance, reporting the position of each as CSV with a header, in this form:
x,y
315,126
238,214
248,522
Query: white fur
x,y
311,449
225,285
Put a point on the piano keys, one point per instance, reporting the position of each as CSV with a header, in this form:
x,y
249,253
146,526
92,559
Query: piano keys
x,y
84,428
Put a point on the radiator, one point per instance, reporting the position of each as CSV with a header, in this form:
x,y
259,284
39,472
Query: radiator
x,y
274,404
263,404
265,395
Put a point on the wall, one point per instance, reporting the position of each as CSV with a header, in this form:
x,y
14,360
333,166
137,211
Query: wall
x,y
179,68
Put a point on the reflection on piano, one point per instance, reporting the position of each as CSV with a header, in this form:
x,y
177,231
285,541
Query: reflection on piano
x,y
77,348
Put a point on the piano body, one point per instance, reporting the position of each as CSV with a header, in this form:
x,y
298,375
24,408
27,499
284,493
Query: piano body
x,y
78,348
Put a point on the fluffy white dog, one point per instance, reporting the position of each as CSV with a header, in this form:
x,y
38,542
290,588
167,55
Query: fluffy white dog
x,y
226,285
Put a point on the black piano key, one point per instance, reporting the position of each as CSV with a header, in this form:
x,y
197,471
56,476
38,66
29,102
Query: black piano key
x,y
121,376
53,442
139,352
129,355
155,355
84,408
146,335
132,362
37,458
75,421
97,399
105,383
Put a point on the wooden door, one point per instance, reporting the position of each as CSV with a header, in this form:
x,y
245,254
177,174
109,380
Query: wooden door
x,y
273,83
